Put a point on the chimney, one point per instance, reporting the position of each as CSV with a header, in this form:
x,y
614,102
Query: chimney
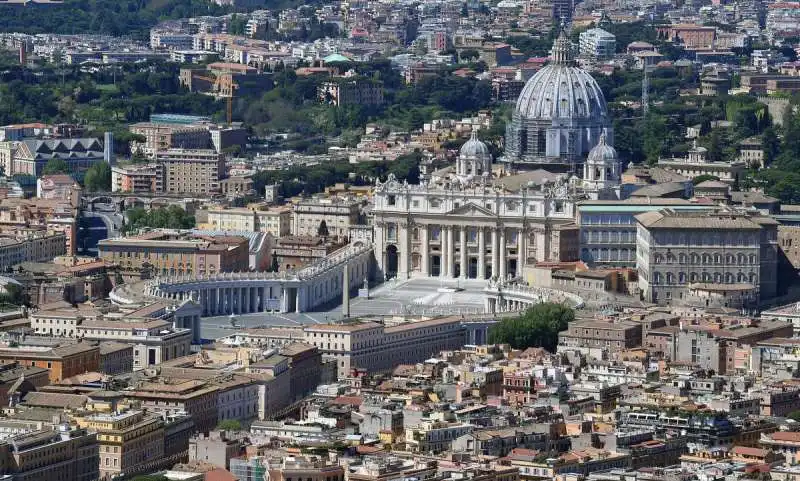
x,y
108,148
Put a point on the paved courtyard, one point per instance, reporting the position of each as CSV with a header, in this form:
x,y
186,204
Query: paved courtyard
x,y
411,297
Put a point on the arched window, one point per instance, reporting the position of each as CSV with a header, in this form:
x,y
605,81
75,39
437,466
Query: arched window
x,y
717,259
657,278
729,259
717,277
670,258
728,278
693,277
670,278
657,259
752,278
682,258
706,259
706,277
614,254
681,278
740,277
752,258
695,259
740,259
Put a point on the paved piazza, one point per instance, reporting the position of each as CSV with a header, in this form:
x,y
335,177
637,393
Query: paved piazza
x,y
409,297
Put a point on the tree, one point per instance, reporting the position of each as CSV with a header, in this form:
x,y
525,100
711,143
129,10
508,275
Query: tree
x,y
322,230
56,166
229,425
150,477
537,327
771,145
655,137
702,178
469,54
14,294
172,217
98,178
794,415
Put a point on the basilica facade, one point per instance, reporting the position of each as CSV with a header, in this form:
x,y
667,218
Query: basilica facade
x,y
471,221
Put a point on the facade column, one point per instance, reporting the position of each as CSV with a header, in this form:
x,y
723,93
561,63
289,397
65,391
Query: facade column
x,y
451,252
481,253
443,264
521,251
424,251
464,262
405,250
502,252
541,246
495,271
246,303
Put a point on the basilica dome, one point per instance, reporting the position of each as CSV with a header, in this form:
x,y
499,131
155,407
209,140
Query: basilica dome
x,y
559,115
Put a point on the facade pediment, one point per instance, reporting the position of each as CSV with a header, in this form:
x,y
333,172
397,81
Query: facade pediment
x,y
472,210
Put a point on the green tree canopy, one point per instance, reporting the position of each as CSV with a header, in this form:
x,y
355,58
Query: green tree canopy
x,y
98,178
229,425
702,178
172,217
537,327
56,166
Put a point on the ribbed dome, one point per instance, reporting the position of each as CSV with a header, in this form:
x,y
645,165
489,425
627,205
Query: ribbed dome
x,y
474,147
561,90
602,152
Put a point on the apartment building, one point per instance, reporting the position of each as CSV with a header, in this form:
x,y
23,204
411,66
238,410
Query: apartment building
x,y
598,334
195,171
434,436
154,341
116,358
350,91
62,361
597,43
276,221
170,397
296,252
59,187
29,245
47,454
160,137
338,215
130,442
136,178
375,347
719,258
175,253
305,468
60,321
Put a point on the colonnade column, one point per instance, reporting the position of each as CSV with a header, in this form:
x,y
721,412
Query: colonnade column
x,y
424,264
463,260
502,253
481,253
521,252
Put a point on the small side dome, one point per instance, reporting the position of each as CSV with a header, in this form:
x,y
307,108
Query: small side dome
x,y
602,152
474,147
